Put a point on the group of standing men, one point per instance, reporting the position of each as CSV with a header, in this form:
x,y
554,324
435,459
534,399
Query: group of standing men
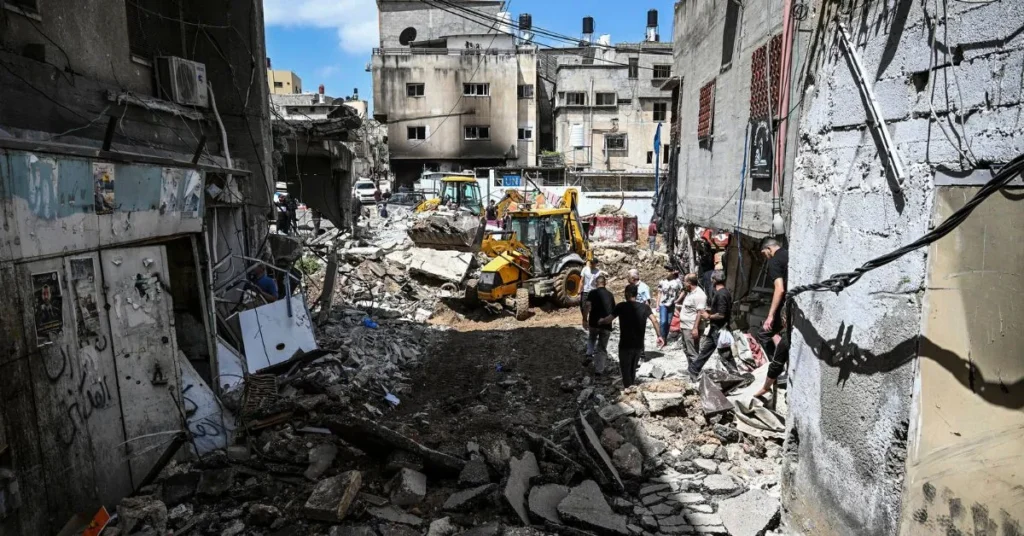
x,y
703,321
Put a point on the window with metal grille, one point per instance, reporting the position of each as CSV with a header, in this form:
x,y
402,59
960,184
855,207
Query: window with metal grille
x,y
764,90
525,134
525,91
615,142
414,90
662,71
706,113
732,17
604,99
416,133
660,111
575,98
478,133
634,67
476,90
154,30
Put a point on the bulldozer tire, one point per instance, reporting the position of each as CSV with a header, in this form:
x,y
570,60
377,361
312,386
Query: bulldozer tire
x,y
569,286
522,304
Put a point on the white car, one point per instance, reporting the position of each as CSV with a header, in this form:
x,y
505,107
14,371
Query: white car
x,y
364,190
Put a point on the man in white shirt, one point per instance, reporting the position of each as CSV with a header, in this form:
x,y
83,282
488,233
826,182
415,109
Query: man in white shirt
x,y
643,292
691,303
668,292
589,273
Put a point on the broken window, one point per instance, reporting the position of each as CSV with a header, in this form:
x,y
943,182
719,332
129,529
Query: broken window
x,y
615,142
662,71
414,90
417,133
732,16
476,90
478,133
525,91
660,111
664,154
525,134
604,99
706,112
650,157
634,68
575,98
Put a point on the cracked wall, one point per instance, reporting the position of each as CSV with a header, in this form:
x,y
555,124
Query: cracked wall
x,y
854,367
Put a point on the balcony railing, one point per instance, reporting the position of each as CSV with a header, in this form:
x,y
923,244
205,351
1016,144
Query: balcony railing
x,y
451,51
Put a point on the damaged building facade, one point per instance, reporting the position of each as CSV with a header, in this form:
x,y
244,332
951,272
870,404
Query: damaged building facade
x,y
883,120
455,91
132,209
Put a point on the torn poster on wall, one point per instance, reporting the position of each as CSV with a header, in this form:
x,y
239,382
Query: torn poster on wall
x,y
103,187
170,190
83,284
193,194
49,306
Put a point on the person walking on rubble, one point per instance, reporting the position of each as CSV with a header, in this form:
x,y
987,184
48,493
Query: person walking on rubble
x,y
778,272
692,303
357,209
589,273
718,314
600,304
668,293
652,235
633,316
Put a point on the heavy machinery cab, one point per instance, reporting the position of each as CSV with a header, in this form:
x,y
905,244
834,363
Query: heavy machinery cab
x,y
461,192
547,236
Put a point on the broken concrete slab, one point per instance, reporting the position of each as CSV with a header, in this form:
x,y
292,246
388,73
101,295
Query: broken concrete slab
x,y
544,501
142,511
443,265
708,466
658,402
468,499
442,527
401,459
634,431
263,515
498,455
489,529
595,447
750,514
373,438
475,473
332,497
358,254
520,472
611,439
703,520
687,498
392,514
629,461
610,414
708,451
586,507
654,488
395,529
361,530
407,488
320,459
721,484
216,482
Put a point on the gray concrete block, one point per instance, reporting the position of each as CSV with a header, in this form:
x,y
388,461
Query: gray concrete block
x,y
586,507
750,514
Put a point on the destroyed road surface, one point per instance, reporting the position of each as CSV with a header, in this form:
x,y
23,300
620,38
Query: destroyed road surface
x,y
422,414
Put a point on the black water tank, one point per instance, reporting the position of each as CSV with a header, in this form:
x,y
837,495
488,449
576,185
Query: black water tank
x,y
525,22
652,18
588,25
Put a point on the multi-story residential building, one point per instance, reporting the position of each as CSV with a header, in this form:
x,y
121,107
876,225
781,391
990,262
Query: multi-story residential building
x,y
454,93
283,82
851,130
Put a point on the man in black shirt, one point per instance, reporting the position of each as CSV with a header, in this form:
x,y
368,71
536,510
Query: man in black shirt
x,y
778,268
599,304
718,314
633,316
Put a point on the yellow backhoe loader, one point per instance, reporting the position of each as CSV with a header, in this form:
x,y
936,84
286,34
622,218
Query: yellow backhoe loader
x,y
454,222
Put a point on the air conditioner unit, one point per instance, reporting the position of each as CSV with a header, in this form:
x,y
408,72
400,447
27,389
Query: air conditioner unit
x,y
181,81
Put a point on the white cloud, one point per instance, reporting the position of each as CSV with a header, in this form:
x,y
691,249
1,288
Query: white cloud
x,y
355,20
327,71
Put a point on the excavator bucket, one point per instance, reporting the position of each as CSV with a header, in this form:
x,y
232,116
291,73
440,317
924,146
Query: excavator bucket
x,y
460,231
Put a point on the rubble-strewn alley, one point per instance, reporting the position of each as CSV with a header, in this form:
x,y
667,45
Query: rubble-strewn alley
x,y
425,415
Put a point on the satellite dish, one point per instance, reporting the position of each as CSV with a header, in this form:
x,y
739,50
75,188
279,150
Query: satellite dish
x,y
407,36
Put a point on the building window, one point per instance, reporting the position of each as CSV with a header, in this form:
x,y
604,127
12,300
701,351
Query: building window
x,y
278,84
525,91
650,157
625,101
615,142
664,154
478,133
476,90
525,134
660,111
764,94
416,133
152,30
706,113
732,17
634,67
414,90
604,99
575,98
662,71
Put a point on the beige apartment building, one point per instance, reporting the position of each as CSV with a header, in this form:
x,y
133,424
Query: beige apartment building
x,y
283,82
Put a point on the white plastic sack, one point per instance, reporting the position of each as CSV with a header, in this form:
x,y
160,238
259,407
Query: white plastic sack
x,y
724,339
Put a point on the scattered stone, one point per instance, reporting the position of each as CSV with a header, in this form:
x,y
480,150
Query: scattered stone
x,y
141,512
649,522
658,402
657,373
687,498
320,459
629,460
442,527
610,414
490,529
680,529
595,446
634,432
673,521
361,530
586,507
373,500
181,513
544,501
498,455
708,466
392,514
611,439
468,499
520,473
395,529
472,448
407,488
179,488
726,434
702,508
721,484
665,509
216,482
621,505
750,514
263,515
401,459
332,497
653,499
234,529
707,451
584,395
475,474
722,455
654,488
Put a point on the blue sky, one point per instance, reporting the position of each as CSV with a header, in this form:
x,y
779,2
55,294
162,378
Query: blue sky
x,y
329,41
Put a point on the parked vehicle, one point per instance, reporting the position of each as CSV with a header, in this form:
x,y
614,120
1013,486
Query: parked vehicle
x,y
364,189
407,199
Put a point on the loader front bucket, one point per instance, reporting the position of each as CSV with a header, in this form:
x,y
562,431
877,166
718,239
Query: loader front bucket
x,y
448,232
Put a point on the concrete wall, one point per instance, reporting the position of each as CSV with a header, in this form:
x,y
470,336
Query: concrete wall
x,y
709,173
429,22
290,82
853,360
527,111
